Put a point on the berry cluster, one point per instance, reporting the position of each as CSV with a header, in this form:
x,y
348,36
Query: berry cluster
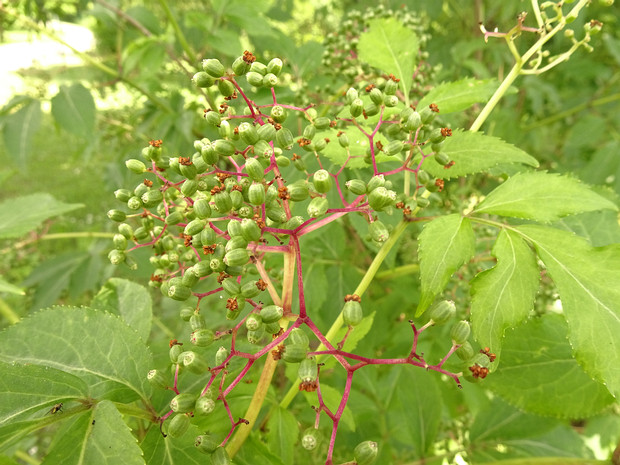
x,y
213,217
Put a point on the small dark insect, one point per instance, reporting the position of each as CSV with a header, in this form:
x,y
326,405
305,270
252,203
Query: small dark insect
x,y
55,409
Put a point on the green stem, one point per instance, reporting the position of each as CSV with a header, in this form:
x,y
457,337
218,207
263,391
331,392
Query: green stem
x,y
74,235
179,33
399,271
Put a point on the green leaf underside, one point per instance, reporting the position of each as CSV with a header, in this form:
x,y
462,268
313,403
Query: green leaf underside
x,y
19,130
96,437
459,95
282,434
74,109
23,214
504,294
543,197
129,300
32,390
474,152
390,47
446,243
539,374
587,280
98,347
416,393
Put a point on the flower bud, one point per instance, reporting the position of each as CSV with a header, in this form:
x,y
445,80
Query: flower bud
x,y
183,403
213,67
318,206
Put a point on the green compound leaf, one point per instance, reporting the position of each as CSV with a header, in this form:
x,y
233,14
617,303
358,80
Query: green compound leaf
x,y
97,347
445,244
474,152
19,130
539,374
541,196
390,47
23,214
587,279
96,437
159,450
129,300
503,295
413,408
459,95
31,390
74,109
282,434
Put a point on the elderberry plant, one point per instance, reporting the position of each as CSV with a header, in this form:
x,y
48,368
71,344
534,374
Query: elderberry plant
x,y
229,230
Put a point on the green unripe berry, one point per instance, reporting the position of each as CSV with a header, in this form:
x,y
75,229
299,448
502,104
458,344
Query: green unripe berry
x,y
117,257
236,257
122,194
322,181
205,443
356,108
248,133
278,114
231,286
213,67
221,355
351,95
266,132
195,227
442,158
413,122
352,313
308,370
482,360
322,122
240,66
254,79
274,66
175,217
224,147
427,115
175,352
380,198
117,215
366,453
202,209
343,140
202,80
194,362
460,332
178,426
376,96
423,178
202,337
119,241
183,403
298,191
394,147
204,406
294,353
223,202
309,132
356,186
258,67
390,87
253,322
442,312
134,203
271,313
179,292
465,352
157,379
310,438
375,181
318,206
298,336
284,138
254,169
256,194
270,80
226,87
125,230
378,232
250,231
391,101
254,337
